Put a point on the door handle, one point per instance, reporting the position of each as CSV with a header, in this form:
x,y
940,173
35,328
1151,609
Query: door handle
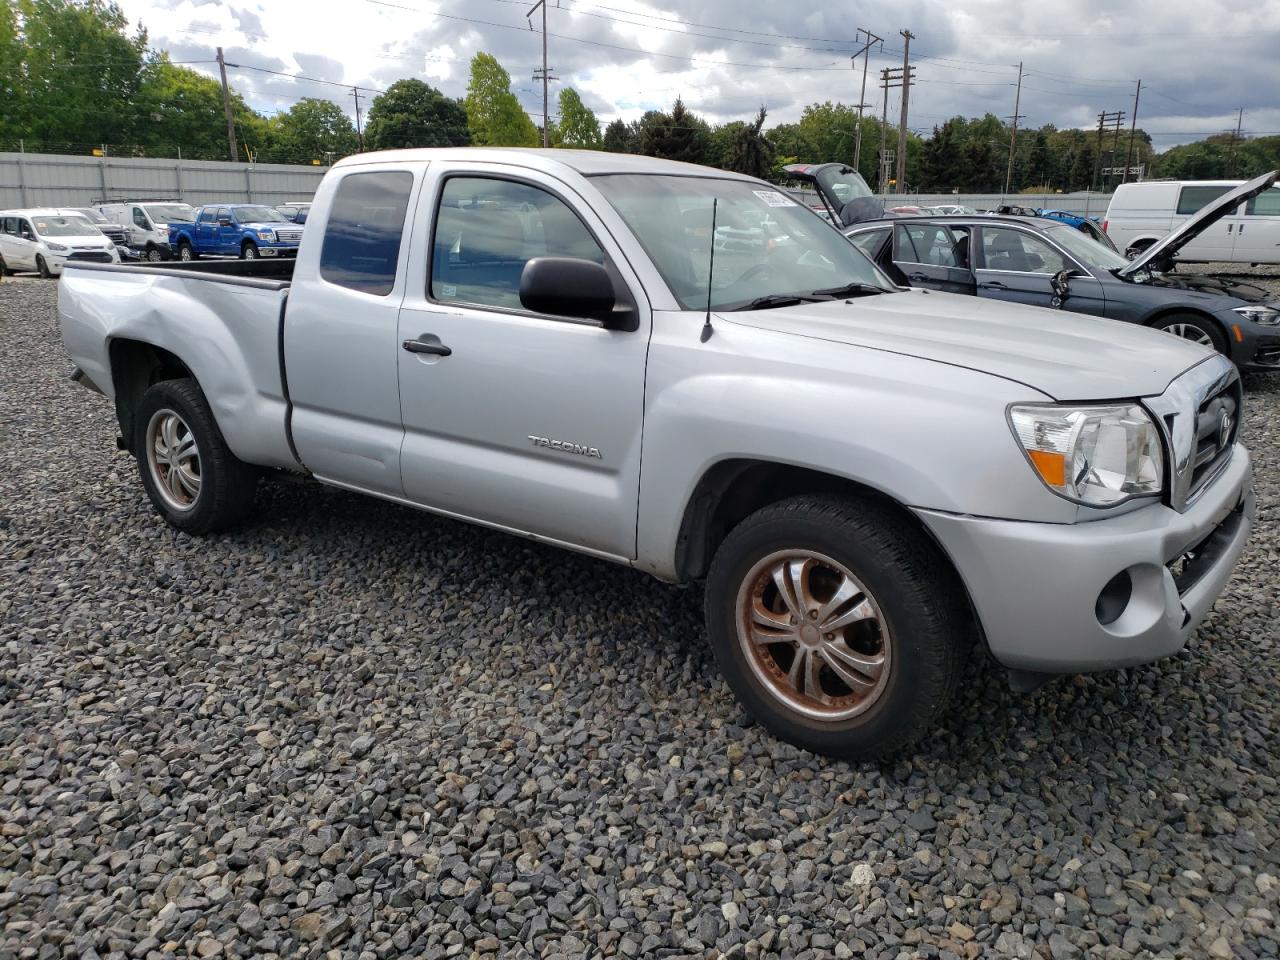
x,y
1229,226
1240,230
918,277
424,346
992,285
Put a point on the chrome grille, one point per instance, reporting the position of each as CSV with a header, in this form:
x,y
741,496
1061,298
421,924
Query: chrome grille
x,y
288,235
1199,415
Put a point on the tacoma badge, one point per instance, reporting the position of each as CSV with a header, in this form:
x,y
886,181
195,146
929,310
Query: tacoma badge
x,y
567,447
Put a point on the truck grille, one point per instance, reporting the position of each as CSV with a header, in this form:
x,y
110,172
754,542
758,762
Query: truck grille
x,y
115,234
289,234
93,256
1199,415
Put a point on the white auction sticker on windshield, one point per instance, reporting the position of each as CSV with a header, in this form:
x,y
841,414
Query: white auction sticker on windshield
x,y
775,199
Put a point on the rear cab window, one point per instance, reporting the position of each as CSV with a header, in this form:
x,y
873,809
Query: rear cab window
x,y
362,237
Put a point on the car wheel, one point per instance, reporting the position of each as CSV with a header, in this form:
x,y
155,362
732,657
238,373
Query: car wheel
x,y
1193,327
4,269
185,253
42,268
1133,250
839,628
193,479
249,252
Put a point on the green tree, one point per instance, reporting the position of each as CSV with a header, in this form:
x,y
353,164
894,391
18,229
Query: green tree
x,y
749,150
829,129
617,138
578,126
494,114
312,129
679,135
77,73
414,114
180,113
13,88
720,143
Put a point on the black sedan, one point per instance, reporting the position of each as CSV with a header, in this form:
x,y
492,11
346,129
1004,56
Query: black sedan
x,y
1051,264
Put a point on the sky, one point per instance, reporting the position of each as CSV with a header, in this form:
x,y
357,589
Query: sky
x,y
1199,60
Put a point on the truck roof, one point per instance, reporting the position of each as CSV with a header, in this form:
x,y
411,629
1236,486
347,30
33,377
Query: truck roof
x,y
586,162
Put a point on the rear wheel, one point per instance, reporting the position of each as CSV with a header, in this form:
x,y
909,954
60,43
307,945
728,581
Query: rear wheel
x,y
839,629
249,251
1193,327
42,268
193,479
185,253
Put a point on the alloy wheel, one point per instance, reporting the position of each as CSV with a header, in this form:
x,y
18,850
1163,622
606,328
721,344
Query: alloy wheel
x,y
173,458
1192,332
813,635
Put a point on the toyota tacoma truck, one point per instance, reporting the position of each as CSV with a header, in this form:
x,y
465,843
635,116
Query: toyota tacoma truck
x,y
872,484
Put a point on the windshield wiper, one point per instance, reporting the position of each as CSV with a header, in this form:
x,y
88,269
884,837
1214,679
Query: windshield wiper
x,y
780,300
850,290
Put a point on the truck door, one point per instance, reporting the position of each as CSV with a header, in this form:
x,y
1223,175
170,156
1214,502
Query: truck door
x,y
530,422
203,230
228,233
340,336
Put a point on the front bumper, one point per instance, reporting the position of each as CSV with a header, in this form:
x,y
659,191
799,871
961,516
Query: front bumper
x,y
277,249
1252,346
1036,586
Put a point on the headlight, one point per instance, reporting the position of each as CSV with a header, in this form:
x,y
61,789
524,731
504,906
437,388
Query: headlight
x,y
1094,455
1260,314
56,247
266,235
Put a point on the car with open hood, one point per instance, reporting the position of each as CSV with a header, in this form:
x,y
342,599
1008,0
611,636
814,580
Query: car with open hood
x,y
1047,263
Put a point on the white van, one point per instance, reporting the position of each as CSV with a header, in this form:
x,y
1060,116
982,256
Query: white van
x,y
1142,213
44,240
146,223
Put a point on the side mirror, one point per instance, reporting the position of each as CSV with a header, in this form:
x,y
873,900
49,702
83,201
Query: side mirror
x,y
224,222
568,287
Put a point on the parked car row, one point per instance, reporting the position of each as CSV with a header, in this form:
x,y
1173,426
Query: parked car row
x,y
154,230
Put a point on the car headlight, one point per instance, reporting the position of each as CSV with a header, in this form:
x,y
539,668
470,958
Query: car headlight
x,y
1260,314
266,235
57,247
1094,455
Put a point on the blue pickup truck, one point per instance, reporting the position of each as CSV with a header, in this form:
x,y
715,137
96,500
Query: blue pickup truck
x,y
244,230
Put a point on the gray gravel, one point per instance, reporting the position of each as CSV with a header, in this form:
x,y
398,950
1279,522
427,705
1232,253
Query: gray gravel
x,y
356,731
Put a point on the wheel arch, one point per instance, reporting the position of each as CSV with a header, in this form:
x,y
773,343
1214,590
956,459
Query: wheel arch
x,y
1163,313
135,367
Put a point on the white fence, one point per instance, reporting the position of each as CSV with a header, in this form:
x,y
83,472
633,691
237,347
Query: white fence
x,y
54,180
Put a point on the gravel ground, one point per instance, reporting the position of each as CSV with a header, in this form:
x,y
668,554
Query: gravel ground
x,y
357,731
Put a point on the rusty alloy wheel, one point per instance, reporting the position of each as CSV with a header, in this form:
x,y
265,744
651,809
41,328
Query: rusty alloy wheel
x,y
813,635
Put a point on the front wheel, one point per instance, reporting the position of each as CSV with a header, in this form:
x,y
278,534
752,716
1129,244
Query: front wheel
x,y
185,253
193,479
249,252
42,268
840,629
1134,249
4,269
1193,327
154,255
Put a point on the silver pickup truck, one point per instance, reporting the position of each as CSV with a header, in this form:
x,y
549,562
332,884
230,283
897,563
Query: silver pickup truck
x,y
686,371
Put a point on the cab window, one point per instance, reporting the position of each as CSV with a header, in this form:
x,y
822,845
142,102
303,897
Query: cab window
x,y
1192,199
487,230
140,219
362,238
1019,252
927,243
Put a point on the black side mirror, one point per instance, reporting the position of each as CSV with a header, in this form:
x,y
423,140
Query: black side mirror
x,y
568,287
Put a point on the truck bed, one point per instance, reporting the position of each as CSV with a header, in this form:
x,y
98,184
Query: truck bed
x,y
221,319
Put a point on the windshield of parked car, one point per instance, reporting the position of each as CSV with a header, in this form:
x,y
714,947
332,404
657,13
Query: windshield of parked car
x,y
766,244
1084,248
258,215
171,213
93,216
65,227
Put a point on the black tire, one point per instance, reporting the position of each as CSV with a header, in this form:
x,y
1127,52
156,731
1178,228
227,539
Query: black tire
x,y
154,254
186,252
4,269
1134,249
42,268
249,251
224,497
917,596
1195,327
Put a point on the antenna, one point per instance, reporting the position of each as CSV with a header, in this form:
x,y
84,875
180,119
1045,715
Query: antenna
x,y
711,267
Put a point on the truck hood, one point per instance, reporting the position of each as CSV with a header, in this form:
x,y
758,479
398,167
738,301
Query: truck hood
x,y
1191,228
1066,356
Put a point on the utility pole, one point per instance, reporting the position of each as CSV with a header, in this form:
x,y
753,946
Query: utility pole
x,y
355,92
1107,120
882,186
862,100
1013,136
1235,138
907,37
232,152
1133,129
544,74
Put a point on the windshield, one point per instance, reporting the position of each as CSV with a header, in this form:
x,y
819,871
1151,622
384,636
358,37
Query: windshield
x,y
93,216
258,215
844,183
766,244
65,227
1086,249
171,212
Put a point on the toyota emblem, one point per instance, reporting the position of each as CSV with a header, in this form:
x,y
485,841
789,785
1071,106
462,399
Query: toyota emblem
x,y
1225,424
